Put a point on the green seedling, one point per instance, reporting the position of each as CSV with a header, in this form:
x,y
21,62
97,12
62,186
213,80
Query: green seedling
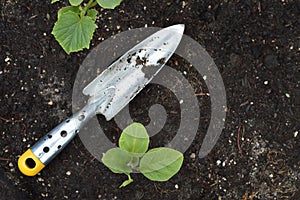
x,y
158,164
76,24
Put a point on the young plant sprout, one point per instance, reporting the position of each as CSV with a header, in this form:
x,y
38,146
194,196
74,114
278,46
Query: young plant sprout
x,y
158,164
76,24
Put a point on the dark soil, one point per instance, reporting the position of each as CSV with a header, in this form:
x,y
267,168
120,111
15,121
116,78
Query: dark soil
x,y
256,46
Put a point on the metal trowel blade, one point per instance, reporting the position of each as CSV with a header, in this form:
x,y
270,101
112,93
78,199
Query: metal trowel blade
x,y
126,77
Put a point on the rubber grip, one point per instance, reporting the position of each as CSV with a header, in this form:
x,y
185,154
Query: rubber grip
x,y
29,164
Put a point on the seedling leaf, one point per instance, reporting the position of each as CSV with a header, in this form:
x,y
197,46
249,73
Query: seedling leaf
x,y
134,139
75,2
160,164
109,4
117,160
92,13
73,32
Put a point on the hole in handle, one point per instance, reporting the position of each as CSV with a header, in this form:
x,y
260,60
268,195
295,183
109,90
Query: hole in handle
x,y
30,163
63,133
46,149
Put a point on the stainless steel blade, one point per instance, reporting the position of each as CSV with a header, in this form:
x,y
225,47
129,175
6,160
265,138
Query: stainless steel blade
x,y
127,76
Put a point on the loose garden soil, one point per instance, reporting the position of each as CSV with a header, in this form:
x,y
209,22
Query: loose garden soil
x,y
256,46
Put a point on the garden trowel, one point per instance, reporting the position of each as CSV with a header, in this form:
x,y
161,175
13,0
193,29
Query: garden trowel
x,y
108,93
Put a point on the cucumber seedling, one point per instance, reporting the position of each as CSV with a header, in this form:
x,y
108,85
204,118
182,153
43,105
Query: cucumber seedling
x,y
132,155
76,23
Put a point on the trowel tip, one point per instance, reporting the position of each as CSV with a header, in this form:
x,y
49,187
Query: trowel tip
x,y
177,27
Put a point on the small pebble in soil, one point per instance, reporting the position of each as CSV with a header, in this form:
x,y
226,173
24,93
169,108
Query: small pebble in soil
x,y
193,155
266,82
40,179
287,95
223,164
7,59
50,103
68,173
296,133
176,186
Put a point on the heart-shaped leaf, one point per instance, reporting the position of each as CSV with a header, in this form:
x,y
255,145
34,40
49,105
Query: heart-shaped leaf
x,y
160,164
134,139
75,2
73,32
109,4
117,160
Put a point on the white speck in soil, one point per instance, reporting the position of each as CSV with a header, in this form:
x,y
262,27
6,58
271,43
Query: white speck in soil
x,y
193,155
296,133
204,77
181,101
40,179
176,186
219,162
266,82
7,59
223,164
68,173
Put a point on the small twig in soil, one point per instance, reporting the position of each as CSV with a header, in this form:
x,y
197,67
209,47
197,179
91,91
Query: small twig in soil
x,y
238,139
4,119
16,121
5,159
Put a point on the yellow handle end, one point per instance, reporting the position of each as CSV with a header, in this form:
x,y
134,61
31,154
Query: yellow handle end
x,y
29,164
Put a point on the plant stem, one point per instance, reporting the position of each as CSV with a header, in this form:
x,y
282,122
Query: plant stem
x,y
89,5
